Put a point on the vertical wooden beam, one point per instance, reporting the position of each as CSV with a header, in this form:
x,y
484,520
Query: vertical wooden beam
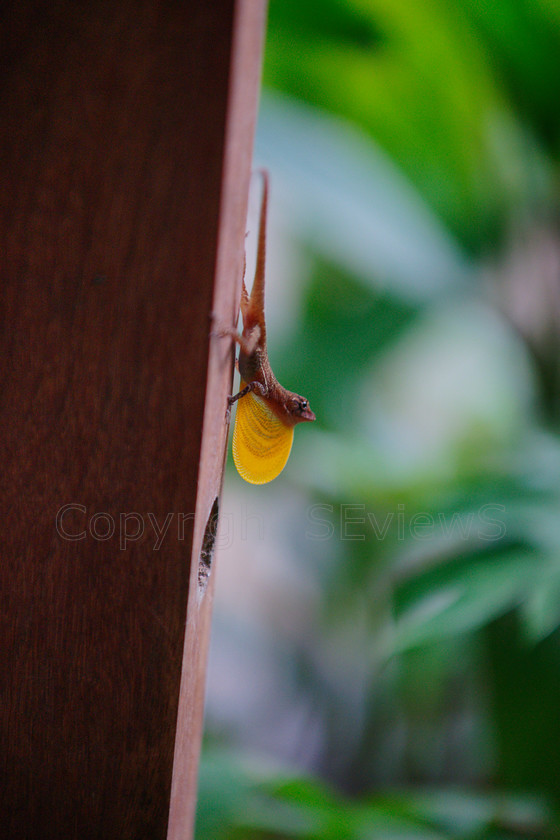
x,y
248,33
126,134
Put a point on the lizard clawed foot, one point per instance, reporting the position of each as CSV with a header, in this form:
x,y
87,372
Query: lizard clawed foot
x,y
230,401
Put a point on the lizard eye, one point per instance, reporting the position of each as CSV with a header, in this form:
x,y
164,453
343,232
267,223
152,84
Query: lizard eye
x,y
298,405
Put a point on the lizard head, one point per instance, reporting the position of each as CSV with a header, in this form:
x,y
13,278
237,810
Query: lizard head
x,y
298,409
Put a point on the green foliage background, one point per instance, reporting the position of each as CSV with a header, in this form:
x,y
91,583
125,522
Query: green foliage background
x,y
463,98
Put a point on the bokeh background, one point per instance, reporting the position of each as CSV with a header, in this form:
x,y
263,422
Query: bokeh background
x,y
385,658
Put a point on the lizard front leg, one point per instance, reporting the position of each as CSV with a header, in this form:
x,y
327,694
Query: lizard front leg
x,y
252,386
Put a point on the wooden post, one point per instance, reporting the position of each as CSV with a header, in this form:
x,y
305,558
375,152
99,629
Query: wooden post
x,y
126,133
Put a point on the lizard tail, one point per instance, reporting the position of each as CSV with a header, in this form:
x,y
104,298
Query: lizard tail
x,y
244,295
256,302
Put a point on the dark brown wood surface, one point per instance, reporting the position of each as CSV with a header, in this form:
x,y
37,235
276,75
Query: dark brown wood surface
x,y
126,134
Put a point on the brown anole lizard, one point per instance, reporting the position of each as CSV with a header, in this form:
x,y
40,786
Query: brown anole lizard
x,y
266,411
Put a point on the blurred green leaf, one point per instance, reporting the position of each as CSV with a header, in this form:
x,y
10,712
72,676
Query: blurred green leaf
x,y
353,318
263,802
541,611
389,81
524,41
463,595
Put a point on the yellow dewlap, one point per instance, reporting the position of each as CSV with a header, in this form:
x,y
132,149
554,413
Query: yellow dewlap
x,y
261,442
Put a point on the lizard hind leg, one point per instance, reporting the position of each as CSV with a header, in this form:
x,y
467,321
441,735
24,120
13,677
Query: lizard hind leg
x,y
247,343
244,304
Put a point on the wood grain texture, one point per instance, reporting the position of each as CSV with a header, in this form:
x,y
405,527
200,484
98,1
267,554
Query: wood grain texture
x,y
126,133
